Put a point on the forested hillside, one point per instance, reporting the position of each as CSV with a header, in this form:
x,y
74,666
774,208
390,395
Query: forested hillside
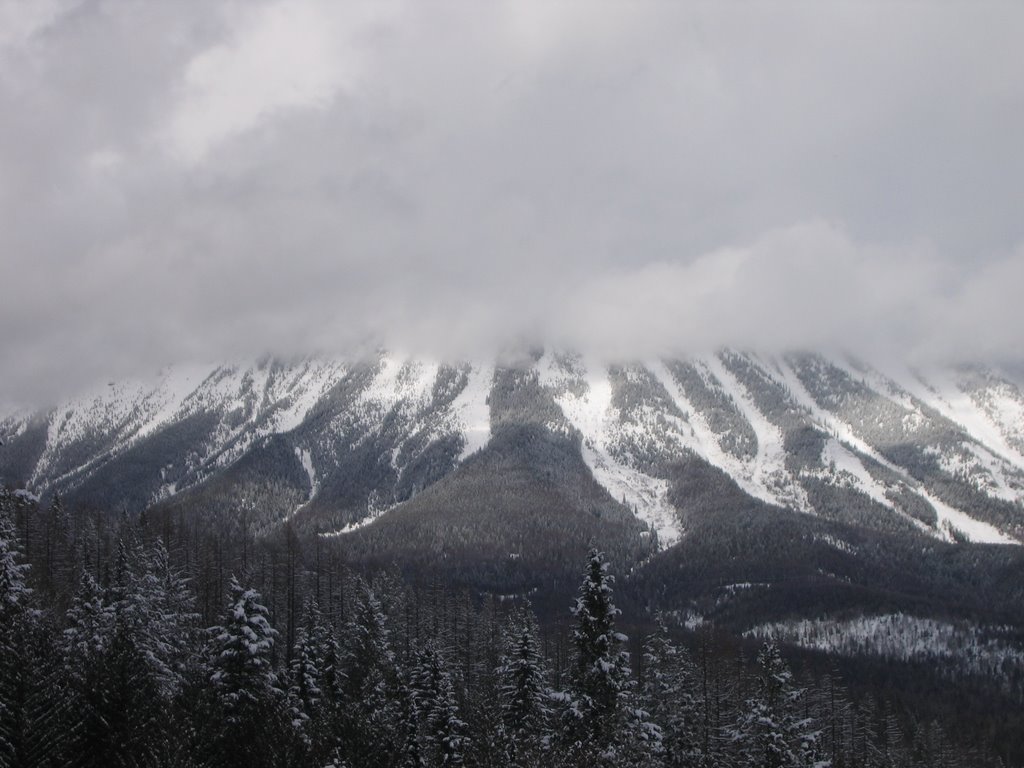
x,y
136,642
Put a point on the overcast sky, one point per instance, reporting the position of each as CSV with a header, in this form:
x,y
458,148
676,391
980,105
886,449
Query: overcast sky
x,y
205,180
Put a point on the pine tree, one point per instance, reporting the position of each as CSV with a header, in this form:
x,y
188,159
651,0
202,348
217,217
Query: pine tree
x,y
667,692
88,645
169,620
246,688
410,753
443,731
368,643
312,688
371,720
776,732
15,625
523,690
599,713
305,674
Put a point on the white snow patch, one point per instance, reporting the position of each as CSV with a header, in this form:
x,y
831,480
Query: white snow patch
x,y
836,543
975,530
302,391
351,527
843,461
940,390
1003,403
472,411
306,459
986,650
598,422
845,433
705,442
165,403
769,471
398,381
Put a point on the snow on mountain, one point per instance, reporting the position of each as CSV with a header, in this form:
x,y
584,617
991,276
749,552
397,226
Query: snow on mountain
x,y
584,392
306,460
707,443
977,649
952,522
769,465
847,468
939,451
472,412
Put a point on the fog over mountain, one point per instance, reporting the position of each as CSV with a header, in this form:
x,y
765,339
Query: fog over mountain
x,y
218,180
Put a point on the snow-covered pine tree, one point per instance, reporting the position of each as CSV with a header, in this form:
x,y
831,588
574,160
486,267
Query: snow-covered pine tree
x,y
240,653
87,642
368,643
600,717
311,690
523,690
443,731
89,625
371,720
304,670
171,621
129,655
667,692
410,751
245,686
15,619
127,649
153,610
775,730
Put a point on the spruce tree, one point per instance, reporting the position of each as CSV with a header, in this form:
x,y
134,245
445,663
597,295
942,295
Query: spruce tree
x,y
523,690
371,721
443,731
247,693
15,621
88,638
312,682
305,674
169,620
599,714
776,733
667,692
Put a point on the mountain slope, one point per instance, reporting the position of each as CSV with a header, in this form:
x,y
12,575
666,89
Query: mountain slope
x,y
342,444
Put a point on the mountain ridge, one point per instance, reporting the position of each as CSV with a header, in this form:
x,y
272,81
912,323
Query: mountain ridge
x,y
938,451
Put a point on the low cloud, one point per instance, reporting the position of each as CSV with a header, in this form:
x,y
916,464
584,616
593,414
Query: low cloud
x,y
217,180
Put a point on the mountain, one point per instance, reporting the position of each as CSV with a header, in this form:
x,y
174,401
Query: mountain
x,y
816,498
337,445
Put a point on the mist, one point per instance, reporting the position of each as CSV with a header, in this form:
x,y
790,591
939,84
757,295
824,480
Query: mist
x,y
222,180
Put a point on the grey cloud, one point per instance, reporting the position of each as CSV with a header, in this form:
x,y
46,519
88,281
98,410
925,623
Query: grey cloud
x,y
451,178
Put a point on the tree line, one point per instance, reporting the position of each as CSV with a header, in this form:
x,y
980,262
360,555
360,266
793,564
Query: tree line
x,y
106,659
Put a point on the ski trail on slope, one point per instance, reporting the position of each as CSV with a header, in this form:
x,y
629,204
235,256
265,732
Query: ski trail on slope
x,y
974,530
941,392
986,533
594,416
842,460
472,411
770,469
705,442
844,435
306,460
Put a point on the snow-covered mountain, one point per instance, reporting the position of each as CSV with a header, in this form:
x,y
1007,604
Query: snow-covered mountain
x,y
338,444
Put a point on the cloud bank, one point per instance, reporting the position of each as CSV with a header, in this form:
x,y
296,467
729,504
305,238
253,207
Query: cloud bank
x,y
212,180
